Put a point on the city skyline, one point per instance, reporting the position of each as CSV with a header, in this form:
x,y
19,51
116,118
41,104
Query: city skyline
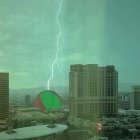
x,y
103,32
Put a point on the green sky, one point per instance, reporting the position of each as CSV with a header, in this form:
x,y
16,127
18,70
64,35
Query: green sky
x,y
103,32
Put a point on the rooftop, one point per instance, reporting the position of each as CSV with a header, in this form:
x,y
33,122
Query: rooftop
x,y
38,131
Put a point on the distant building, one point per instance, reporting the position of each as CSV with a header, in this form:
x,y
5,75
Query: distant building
x,y
27,100
124,100
4,96
135,98
48,101
132,112
93,90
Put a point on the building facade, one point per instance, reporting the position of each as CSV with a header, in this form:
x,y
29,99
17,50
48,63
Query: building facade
x,y
135,98
4,96
93,90
124,100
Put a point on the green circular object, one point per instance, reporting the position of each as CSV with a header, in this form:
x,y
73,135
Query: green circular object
x,y
48,100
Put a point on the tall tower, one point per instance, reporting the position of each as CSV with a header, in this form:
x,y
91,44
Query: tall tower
x,y
135,98
27,100
93,90
4,96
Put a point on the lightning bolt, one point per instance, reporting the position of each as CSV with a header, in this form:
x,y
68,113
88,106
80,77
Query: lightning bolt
x,y
60,36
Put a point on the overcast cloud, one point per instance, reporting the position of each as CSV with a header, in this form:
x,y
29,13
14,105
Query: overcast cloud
x,y
103,32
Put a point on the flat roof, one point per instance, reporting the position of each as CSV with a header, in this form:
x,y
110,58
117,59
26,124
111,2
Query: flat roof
x,y
132,110
33,132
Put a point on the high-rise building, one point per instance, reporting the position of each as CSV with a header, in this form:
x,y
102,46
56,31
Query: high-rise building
x,y
4,96
135,98
93,90
124,100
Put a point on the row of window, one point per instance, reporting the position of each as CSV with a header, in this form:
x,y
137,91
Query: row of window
x,y
96,108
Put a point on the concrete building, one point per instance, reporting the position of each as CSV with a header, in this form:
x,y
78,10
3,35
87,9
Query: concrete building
x,y
27,100
124,100
93,90
135,98
4,96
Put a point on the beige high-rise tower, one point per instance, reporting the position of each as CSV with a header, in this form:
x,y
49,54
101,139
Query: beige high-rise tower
x,y
93,90
4,96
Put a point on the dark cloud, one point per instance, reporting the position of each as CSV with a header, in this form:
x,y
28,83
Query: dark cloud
x,y
95,31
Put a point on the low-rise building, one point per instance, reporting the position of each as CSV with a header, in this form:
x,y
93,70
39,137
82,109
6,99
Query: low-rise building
x,y
43,132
